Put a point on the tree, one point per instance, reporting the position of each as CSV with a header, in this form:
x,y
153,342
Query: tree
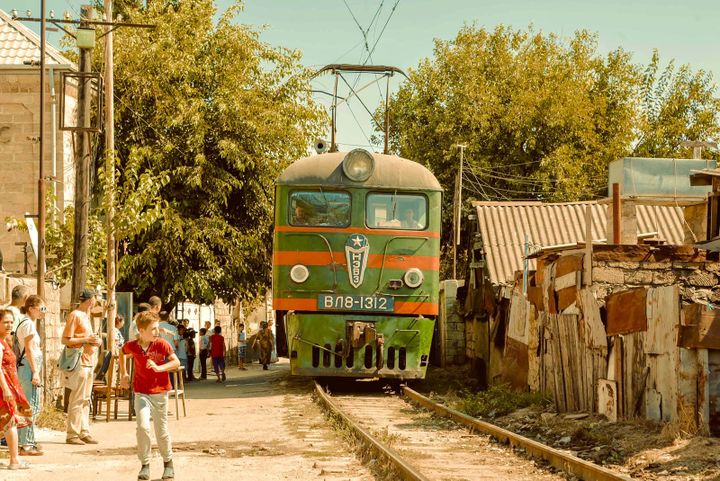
x,y
213,115
542,117
675,105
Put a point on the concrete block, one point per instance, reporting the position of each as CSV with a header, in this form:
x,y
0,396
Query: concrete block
x,y
623,264
450,287
666,264
608,274
664,277
639,277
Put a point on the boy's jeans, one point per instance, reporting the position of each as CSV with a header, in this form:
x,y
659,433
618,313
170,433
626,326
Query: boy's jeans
x,y
26,436
155,405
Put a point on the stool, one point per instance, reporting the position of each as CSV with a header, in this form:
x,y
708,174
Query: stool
x,y
179,390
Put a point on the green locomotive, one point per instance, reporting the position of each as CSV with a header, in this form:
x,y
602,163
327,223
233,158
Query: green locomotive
x,y
356,264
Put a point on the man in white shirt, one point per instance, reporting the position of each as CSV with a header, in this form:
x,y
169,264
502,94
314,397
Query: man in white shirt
x,y
17,300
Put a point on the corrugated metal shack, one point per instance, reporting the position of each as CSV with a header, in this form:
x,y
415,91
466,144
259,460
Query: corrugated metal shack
x,y
626,330
632,332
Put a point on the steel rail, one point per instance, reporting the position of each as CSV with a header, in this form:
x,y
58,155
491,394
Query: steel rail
x,y
566,462
406,470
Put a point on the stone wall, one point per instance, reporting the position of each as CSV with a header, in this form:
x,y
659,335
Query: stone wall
x,y
225,319
451,328
692,270
19,148
54,325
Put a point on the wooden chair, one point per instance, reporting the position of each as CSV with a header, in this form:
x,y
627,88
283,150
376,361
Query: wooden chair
x,y
179,390
110,391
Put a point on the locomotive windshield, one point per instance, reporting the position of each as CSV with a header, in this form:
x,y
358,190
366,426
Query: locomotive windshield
x,y
319,208
396,211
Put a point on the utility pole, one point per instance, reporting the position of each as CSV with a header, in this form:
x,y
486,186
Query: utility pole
x,y
82,167
110,171
41,196
457,209
41,170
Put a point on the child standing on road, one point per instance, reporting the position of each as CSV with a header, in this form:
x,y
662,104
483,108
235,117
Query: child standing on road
x,y
242,347
153,358
217,352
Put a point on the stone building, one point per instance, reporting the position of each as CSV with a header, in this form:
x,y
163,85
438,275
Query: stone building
x,y
19,132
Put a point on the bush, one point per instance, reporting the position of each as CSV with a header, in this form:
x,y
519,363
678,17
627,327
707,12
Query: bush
x,y
497,401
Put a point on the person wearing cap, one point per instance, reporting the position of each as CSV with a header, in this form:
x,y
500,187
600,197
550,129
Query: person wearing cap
x,y
78,334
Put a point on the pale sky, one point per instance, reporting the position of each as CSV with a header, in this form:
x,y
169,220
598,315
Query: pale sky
x,y
325,32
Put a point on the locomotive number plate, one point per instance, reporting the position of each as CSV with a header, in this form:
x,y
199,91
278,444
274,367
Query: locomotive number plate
x,y
356,303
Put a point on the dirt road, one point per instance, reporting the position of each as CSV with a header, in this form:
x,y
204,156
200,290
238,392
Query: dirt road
x,y
259,425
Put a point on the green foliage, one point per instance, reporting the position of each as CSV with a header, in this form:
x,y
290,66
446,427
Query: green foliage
x,y
59,243
497,401
206,118
676,105
542,117
59,248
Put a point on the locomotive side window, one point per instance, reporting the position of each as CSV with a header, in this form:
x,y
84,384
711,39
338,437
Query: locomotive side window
x,y
319,208
396,211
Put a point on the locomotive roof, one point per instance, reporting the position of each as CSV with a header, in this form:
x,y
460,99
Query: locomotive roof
x,y
390,171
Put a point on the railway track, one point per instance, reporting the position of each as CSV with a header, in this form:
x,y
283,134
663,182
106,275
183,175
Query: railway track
x,y
417,446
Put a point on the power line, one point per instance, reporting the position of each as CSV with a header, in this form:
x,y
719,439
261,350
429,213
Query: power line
x,y
384,26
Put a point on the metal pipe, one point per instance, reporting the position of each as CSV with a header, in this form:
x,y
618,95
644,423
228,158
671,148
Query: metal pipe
x,y
333,146
616,213
53,142
387,117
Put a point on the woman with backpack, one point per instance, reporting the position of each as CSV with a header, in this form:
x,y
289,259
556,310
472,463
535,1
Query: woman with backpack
x,y
26,344
15,412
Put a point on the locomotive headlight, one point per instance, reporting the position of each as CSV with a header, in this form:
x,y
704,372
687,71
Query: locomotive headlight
x,y
299,273
358,165
413,277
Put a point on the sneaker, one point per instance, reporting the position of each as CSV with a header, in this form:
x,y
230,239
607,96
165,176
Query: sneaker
x,y
168,470
89,440
76,441
144,472
20,465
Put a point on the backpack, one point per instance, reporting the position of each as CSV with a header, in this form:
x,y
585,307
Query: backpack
x,y
18,347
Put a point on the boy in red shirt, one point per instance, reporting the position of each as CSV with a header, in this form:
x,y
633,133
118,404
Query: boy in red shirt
x,y
217,352
153,359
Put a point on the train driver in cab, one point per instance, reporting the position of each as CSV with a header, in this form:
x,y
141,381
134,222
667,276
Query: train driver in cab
x,y
408,220
301,216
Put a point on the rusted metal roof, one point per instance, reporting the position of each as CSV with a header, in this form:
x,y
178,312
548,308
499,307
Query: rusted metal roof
x,y
18,43
503,226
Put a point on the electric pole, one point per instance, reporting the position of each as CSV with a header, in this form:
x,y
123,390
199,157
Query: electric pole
x,y
110,176
41,170
457,209
82,166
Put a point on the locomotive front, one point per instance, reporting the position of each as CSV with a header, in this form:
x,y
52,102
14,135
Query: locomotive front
x,y
356,264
